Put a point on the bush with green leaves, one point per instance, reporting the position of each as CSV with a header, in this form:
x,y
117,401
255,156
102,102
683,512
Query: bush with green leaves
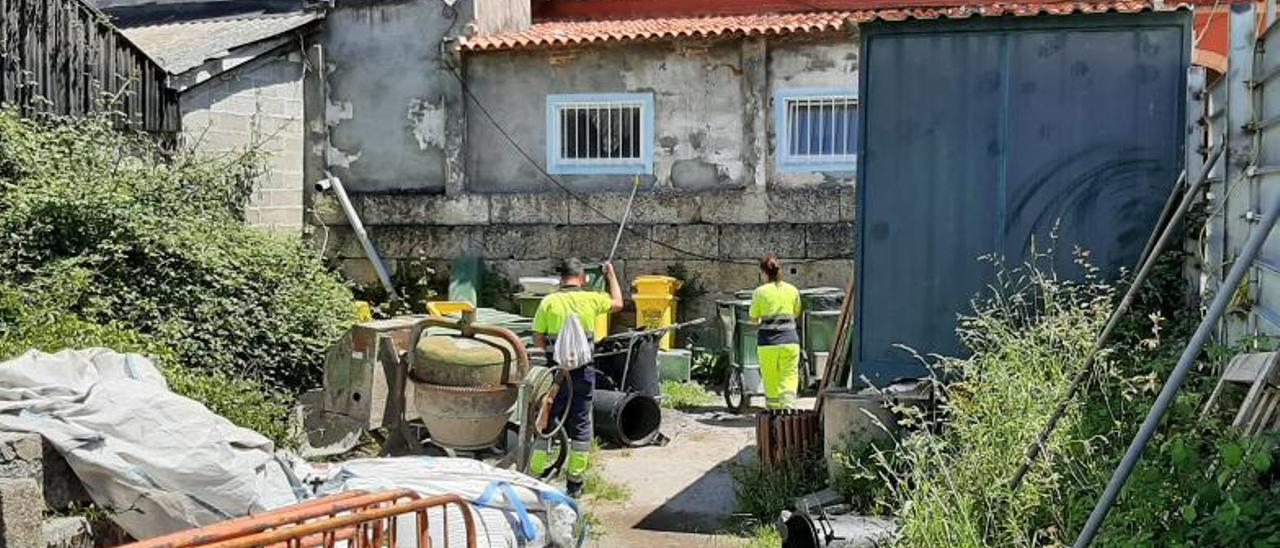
x,y
1199,482
160,249
31,318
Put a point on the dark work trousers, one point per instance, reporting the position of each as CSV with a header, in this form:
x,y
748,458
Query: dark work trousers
x,y
578,422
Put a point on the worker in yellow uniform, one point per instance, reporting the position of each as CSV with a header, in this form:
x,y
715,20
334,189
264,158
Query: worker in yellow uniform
x,y
775,307
575,392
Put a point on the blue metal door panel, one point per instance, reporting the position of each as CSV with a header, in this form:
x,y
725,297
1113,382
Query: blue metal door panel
x,y
980,137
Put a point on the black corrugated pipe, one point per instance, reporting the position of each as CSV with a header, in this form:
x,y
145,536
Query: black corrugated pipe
x,y
626,418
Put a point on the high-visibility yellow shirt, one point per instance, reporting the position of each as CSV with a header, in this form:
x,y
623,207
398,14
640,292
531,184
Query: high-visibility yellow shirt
x,y
557,307
775,306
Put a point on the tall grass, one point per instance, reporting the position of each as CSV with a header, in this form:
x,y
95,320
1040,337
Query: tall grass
x,y
951,487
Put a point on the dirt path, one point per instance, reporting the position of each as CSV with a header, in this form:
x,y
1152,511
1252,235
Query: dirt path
x,y
681,494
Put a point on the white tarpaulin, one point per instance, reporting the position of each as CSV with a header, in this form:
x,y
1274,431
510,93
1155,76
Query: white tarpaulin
x,y
167,463
164,461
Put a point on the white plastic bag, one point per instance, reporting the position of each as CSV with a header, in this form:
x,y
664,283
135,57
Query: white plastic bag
x,y
573,347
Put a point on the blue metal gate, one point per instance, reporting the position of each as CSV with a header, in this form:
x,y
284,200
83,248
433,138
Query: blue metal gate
x,y
982,136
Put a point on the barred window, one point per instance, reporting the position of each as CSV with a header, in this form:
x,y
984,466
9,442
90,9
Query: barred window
x,y
599,133
817,130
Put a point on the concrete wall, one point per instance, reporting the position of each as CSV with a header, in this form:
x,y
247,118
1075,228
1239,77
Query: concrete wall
x,y
259,103
434,178
389,89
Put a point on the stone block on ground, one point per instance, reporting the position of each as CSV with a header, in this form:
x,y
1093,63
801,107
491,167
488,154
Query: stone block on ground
x,y
21,509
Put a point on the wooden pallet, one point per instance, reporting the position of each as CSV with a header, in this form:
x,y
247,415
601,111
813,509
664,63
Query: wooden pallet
x,y
1260,371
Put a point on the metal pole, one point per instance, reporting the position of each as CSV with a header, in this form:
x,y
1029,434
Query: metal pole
x,y
635,185
1225,291
1155,246
335,184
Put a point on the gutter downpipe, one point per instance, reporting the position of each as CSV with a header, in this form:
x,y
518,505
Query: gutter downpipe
x,y
331,182
335,184
1220,301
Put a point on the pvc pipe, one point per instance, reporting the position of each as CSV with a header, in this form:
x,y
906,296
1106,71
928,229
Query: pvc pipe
x,y
335,184
1220,301
1155,246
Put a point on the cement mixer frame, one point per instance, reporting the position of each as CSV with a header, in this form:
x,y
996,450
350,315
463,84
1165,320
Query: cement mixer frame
x,y
390,392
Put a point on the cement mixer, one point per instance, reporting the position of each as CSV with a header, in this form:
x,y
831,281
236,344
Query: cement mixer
x,y
472,387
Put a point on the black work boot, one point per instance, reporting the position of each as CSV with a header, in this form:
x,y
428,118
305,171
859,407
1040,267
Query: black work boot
x,y
573,489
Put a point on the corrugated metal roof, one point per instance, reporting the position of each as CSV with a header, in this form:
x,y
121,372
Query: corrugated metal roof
x,y
551,34
180,47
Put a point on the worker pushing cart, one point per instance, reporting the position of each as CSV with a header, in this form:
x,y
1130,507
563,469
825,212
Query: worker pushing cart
x,y
775,305
574,394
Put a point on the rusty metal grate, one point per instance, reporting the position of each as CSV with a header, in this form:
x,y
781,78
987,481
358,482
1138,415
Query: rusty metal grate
x,y
787,435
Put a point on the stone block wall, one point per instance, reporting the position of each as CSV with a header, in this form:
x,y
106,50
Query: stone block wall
x,y
257,104
715,237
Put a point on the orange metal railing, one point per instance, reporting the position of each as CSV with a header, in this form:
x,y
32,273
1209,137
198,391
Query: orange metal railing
x,y
357,519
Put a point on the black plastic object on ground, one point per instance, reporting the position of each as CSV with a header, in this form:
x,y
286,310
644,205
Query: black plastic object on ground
x,y
629,362
627,419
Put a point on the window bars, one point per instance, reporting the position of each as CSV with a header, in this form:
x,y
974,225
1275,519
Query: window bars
x,y
817,131
600,134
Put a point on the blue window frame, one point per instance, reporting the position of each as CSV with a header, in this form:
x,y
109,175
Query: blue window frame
x,y
600,133
816,129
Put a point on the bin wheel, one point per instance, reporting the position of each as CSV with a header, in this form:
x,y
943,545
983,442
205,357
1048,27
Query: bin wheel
x,y
735,394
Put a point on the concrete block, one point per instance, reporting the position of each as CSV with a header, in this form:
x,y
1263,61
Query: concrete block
x,y
724,276
326,210
694,241
280,216
521,242
648,208
395,209
818,205
829,240
523,209
592,243
361,271
848,203
734,207
22,457
832,273
423,241
21,509
753,241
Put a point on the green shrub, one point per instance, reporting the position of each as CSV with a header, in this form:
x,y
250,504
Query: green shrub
x,y
30,320
162,250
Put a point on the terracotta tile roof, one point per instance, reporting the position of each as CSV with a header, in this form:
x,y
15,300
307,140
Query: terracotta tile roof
x,y
552,34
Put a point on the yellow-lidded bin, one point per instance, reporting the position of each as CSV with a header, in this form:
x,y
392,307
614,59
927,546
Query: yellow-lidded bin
x,y
445,308
654,311
656,285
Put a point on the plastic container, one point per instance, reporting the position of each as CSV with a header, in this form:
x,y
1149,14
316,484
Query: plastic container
x,y
675,365
445,308
539,285
656,285
528,303
654,311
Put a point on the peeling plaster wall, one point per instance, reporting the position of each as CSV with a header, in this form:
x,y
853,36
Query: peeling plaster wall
x,y
389,90
698,118
808,63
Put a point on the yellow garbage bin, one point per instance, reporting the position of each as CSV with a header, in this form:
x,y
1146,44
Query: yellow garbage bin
x,y
656,304
653,311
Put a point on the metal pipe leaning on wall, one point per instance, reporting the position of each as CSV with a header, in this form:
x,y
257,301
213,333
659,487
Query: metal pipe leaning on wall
x,y
335,184
1154,247
1170,390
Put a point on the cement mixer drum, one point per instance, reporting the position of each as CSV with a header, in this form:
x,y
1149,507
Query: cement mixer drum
x,y
459,387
